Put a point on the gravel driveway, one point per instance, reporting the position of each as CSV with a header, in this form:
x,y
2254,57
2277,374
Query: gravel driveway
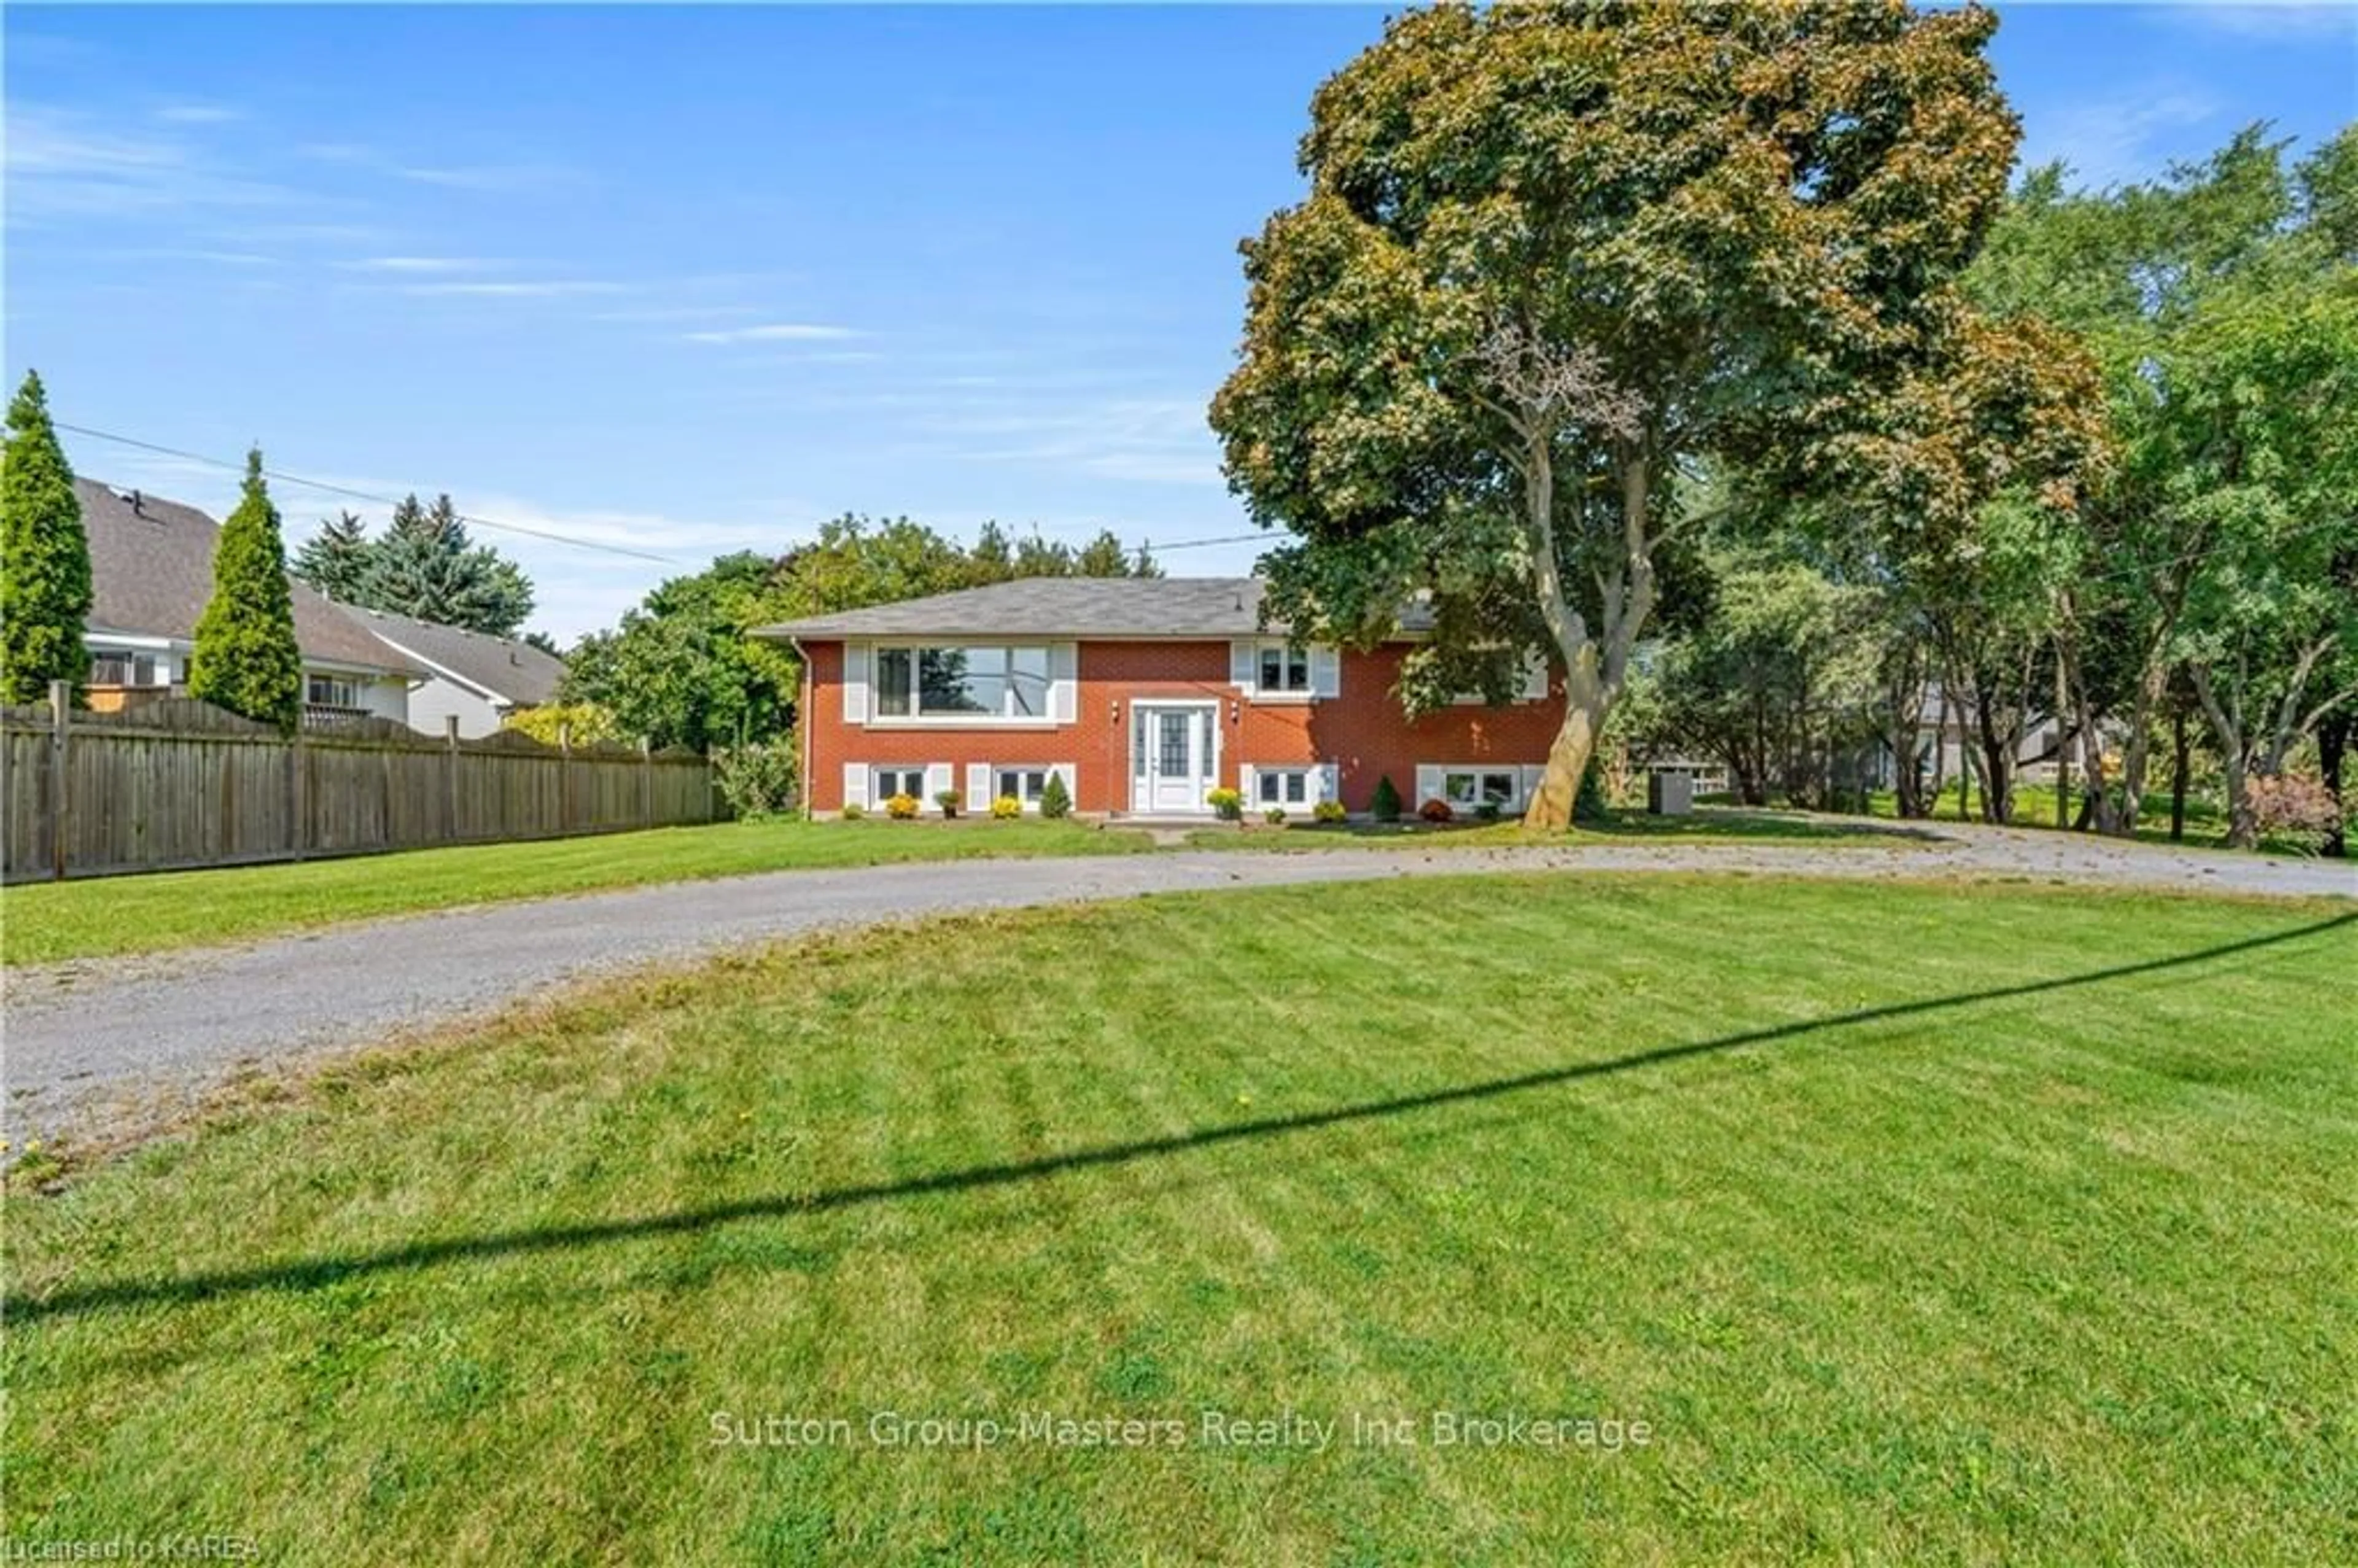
x,y
103,1050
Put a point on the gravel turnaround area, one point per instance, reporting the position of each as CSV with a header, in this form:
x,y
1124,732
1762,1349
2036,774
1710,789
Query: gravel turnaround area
x,y
100,1052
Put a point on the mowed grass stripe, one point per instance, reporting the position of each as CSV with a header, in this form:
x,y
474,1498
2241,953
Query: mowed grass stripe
x,y
2059,1276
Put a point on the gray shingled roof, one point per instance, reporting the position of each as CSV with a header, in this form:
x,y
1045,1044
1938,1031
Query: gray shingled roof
x,y
1056,606
505,669
152,571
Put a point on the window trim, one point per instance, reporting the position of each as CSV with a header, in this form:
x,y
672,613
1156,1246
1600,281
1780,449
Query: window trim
x,y
878,795
917,718
342,688
1297,787
1031,802
1481,772
1286,651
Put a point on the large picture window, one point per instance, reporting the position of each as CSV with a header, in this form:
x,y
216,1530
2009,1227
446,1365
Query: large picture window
x,y
957,681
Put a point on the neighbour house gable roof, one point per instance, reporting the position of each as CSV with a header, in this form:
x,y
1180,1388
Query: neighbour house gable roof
x,y
151,569
506,670
1076,607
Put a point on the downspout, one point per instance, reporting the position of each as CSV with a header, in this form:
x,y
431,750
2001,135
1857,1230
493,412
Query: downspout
x,y
802,724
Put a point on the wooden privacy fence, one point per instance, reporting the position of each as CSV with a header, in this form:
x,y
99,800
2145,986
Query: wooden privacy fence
x,y
179,783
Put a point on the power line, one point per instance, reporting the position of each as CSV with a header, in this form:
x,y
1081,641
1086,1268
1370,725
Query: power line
x,y
285,478
1201,544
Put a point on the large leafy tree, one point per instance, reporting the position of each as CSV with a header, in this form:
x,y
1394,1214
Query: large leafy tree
x,y
2207,297
1551,259
44,556
246,657
682,668
425,565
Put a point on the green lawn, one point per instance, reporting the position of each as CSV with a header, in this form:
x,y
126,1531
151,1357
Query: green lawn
x,y
1916,1223
42,922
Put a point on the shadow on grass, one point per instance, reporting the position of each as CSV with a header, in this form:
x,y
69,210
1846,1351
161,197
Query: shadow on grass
x,y
1714,823
313,1273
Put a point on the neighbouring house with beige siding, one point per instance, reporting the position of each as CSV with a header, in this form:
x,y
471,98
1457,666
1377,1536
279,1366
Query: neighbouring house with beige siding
x,y
151,565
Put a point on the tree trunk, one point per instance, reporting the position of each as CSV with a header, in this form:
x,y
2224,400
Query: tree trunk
x,y
1587,702
2234,756
2180,755
2332,742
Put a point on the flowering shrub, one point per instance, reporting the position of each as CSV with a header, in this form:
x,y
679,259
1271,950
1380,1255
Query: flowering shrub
x,y
1007,808
852,811
1328,811
2293,808
1227,805
1436,810
757,780
949,800
900,808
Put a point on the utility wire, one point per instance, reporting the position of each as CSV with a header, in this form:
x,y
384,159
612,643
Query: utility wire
x,y
285,478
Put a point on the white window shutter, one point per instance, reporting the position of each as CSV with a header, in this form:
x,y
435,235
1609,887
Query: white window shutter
x,y
937,779
1325,671
1245,772
855,683
1428,786
978,786
855,784
1063,681
1242,653
1535,678
1072,777
1530,774
1330,783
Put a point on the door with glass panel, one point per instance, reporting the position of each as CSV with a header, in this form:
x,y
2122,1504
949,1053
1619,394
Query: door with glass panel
x,y
1172,757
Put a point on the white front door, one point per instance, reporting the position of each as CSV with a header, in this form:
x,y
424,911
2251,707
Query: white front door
x,y
1173,757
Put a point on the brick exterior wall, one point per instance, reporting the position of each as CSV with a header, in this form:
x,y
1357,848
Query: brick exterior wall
x,y
1363,730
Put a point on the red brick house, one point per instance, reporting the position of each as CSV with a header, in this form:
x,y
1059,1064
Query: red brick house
x,y
1145,693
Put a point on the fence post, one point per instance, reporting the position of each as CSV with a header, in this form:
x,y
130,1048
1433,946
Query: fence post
x,y
450,778
298,830
564,779
61,705
646,782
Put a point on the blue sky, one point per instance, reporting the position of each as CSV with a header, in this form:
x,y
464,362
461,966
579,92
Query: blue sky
x,y
689,280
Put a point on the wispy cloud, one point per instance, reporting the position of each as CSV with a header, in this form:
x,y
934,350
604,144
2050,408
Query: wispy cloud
x,y
64,163
540,289
498,179
1161,440
423,264
505,178
2111,141
774,332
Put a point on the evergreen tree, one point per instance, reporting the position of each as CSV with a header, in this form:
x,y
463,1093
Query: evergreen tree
x,y
426,566
44,557
335,561
246,659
